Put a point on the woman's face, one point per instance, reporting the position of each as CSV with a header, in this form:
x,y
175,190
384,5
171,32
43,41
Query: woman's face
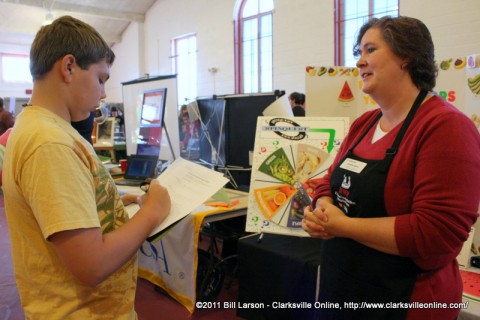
x,y
292,102
380,68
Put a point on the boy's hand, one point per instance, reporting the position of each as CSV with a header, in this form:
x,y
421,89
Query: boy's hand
x,y
156,201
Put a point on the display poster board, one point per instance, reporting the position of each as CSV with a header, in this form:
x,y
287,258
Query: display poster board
x,y
193,129
450,81
133,94
458,82
335,91
471,85
290,156
472,96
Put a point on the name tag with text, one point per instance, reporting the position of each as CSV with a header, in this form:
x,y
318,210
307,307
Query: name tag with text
x,y
353,165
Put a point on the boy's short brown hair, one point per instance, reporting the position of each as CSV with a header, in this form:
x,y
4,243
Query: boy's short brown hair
x,y
67,35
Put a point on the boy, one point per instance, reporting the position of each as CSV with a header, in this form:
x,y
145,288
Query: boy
x,y
73,246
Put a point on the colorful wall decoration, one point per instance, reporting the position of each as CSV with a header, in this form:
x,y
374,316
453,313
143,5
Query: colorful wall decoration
x,y
336,91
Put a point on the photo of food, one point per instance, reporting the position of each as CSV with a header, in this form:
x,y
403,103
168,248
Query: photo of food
x,y
301,199
309,158
290,157
295,171
474,84
278,166
272,199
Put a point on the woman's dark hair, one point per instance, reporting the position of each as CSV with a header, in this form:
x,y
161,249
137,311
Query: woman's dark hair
x,y
409,39
297,97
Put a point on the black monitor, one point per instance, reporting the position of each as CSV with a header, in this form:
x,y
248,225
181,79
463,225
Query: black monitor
x,y
151,122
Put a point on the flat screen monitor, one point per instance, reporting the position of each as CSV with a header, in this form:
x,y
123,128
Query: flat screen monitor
x,y
151,122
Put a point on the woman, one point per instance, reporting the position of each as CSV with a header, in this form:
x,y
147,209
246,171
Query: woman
x,y
184,127
402,194
7,120
297,102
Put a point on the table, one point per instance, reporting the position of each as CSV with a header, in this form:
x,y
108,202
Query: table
x,y
171,262
278,268
110,148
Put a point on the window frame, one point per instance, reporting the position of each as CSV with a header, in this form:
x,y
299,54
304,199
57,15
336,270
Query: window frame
x,y
238,43
174,54
340,26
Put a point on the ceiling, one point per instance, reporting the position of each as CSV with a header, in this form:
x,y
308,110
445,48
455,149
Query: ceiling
x,y
21,19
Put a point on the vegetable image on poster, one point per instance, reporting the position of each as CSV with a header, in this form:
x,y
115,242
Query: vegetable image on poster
x,y
290,157
277,166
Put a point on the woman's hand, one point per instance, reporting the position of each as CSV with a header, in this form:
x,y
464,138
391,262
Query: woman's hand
x,y
311,223
324,221
328,221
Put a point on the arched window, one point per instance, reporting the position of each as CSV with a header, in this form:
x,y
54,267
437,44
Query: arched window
x,y
350,15
253,46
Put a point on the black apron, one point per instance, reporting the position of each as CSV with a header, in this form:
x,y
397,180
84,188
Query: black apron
x,y
351,273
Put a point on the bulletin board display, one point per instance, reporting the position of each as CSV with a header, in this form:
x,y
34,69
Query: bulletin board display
x,y
337,90
290,156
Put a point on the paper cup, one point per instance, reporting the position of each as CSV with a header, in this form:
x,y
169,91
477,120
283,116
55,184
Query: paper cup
x,y
123,164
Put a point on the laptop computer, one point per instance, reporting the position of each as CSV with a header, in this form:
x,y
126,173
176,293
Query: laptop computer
x,y
139,168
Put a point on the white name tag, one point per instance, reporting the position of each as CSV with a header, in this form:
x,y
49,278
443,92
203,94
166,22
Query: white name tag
x,y
353,165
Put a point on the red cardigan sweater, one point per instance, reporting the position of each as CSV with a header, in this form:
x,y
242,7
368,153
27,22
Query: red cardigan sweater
x,y
433,188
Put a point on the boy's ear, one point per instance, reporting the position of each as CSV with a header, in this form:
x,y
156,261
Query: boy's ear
x,y
67,67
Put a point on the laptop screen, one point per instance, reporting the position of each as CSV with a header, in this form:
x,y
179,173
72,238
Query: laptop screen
x,y
141,167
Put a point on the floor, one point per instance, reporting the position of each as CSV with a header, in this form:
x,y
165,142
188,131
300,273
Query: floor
x,y
150,303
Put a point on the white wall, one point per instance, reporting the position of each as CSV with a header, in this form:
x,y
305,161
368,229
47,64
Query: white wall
x,y
129,61
303,35
212,22
300,38
454,24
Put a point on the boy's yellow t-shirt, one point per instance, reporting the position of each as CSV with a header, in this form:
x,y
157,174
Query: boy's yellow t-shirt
x,y
53,182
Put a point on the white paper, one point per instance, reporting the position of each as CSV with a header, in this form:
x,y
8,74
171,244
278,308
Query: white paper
x,y
279,107
189,186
